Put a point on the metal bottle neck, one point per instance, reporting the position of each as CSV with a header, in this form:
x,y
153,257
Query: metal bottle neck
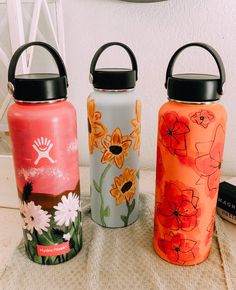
x,y
40,102
115,91
194,103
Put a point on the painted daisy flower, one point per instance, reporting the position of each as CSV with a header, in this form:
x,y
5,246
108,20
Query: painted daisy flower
x,y
29,237
34,217
67,210
66,236
23,209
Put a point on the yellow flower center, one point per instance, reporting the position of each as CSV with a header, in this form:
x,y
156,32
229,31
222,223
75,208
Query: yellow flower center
x,y
126,186
116,150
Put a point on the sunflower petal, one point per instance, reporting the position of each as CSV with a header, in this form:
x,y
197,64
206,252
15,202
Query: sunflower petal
x,y
119,160
107,156
116,136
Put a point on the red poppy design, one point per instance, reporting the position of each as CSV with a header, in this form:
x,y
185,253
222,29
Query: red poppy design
x,y
210,228
177,249
178,209
202,118
173,130
209,164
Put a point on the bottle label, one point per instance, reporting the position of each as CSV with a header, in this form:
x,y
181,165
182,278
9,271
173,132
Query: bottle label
x,y
55,250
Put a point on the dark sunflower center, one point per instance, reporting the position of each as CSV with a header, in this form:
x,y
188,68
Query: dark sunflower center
x,y
169,133
175,212
89,127
126,186
116,150
202,118
32,218
177,249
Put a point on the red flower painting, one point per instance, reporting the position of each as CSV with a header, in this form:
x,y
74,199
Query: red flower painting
x,y
178,209
173,130
202,118
209,164
177,249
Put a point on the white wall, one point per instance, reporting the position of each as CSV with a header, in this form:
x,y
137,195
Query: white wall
x,y
154,31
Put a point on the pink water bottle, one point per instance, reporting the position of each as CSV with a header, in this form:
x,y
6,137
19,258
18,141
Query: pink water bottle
x,y
42,125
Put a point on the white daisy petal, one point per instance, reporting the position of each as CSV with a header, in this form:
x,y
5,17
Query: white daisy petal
x,y
66,236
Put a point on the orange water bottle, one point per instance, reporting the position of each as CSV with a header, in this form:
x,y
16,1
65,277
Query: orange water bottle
x,y
190,146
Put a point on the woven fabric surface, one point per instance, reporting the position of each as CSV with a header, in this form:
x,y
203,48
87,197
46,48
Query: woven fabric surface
x,y
123,259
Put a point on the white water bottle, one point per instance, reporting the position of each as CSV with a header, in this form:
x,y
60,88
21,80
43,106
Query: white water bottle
x,y
114,114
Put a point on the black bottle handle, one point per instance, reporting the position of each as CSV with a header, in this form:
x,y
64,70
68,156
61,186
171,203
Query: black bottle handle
x,y
49,48
105,46
211,50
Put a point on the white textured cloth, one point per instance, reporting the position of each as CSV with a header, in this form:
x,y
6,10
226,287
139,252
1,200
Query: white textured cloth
x,y
123,259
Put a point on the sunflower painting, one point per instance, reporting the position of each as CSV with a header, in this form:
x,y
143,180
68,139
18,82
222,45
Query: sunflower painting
x,y
123,190
137,127
115,148
96,129
115,173
124,186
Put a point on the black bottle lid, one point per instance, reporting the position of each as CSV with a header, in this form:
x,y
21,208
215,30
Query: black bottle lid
x,y
37,87
195,87
113,78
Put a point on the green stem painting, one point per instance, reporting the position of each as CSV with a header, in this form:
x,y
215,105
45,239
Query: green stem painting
x,y
104,211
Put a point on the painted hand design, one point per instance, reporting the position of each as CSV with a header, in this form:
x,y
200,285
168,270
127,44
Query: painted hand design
x,y
43,147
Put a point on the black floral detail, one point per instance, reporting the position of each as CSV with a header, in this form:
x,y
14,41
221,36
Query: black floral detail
x,y
27,191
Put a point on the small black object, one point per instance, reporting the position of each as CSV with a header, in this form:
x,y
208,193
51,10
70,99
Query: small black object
x,y
227,197
114,78
37,87
195,87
